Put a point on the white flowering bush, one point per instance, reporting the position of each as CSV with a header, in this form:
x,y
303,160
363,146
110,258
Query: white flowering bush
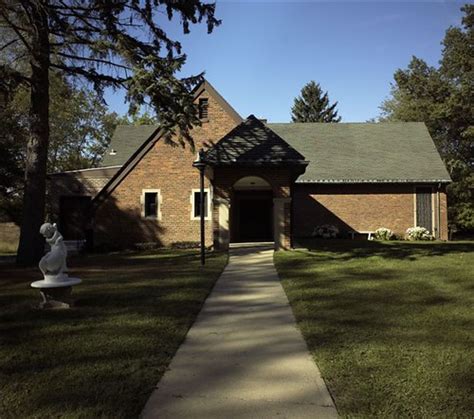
x,y
326,231
418,233
383,233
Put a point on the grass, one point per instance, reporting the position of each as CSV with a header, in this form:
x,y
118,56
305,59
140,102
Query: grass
x,y
391,325
104,357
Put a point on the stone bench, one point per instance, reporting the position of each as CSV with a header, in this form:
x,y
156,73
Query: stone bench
x,y
369,234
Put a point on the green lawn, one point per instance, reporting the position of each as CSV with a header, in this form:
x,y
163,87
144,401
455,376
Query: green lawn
x,y
103,357
391,325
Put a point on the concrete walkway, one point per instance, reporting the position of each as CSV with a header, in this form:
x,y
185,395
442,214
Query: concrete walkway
x,y
244,356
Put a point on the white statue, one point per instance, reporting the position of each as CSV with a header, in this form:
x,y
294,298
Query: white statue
x,y
53,264
56,287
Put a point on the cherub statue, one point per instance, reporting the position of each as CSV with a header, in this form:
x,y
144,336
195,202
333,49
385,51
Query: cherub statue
x,y
53,264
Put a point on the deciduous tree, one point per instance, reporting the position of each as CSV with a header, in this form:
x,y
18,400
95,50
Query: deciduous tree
x,y
443,98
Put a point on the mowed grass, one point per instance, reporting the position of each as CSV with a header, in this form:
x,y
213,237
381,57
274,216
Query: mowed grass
x,y
391,325
104,357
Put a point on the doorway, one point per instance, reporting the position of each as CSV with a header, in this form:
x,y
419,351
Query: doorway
x,y
73,216
252,216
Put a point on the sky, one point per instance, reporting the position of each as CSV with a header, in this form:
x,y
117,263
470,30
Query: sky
x,y
264,52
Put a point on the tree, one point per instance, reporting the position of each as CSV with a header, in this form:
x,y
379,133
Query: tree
x,y
144,118
80,132
108,44
443,98
313,106
80,126
12,151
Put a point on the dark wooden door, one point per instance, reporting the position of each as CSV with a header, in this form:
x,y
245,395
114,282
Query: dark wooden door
x,y
424,211
74,216
252,216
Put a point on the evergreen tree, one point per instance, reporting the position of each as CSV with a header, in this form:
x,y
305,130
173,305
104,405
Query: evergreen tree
x,y
108,44
313,106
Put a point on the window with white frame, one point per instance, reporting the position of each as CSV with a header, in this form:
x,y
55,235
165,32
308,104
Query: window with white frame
x,y
196,204
151,203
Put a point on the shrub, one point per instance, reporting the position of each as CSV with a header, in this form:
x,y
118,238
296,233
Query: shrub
x,y
326,231
383,233
418,233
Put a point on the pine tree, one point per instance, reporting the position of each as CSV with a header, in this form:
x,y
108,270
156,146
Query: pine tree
x,y
117,44
313,106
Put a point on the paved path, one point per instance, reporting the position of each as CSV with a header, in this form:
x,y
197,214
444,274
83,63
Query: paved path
x,y
244,356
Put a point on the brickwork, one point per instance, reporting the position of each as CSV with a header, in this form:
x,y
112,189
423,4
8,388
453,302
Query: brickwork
x,y
280,180
118,220
9,233
358,207
77,183
443,214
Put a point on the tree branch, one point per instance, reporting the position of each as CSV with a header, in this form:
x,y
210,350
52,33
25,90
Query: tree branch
x,y
95,60
91,75
17,30
8,44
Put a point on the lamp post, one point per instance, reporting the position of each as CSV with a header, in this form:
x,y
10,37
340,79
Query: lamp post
x,y
200,164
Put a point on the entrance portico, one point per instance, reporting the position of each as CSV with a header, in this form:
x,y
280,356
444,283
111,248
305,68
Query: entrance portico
x,y
253,171
252,215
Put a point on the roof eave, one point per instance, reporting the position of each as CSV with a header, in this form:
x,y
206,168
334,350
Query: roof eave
x,y
354,181
281,163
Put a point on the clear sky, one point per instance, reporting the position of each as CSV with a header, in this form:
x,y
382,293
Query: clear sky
x,y
264,52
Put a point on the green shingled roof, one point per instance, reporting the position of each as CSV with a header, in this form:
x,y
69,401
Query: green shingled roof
x,y
125,141
343,152
365,152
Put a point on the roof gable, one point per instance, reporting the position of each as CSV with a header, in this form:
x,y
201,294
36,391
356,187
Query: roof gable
x,y
206,86
144,143
365,152
253,143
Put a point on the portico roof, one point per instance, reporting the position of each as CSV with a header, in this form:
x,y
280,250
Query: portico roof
x,y
252,143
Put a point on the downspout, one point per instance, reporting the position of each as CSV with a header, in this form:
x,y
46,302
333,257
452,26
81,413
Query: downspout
x,y
439,211
291,213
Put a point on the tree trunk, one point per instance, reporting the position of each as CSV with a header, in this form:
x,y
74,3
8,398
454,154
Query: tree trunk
x,y
31,246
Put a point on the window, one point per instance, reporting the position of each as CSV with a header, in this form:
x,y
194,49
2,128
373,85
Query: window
x,y
203,109
196,204
151,200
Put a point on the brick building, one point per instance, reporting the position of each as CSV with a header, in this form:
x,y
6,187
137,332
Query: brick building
x,y
263,182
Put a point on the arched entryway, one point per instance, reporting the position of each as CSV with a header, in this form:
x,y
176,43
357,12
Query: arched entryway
x,y
251,215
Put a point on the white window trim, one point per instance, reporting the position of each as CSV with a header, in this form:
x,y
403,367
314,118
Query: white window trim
x,y
159,202
209,200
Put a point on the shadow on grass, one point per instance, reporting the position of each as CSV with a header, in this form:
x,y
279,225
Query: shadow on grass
x,y
390,324
350,249
103,357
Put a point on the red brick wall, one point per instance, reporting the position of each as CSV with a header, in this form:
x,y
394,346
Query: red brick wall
x,y
279,179
76,183
443,206
358,207
118,220
9,234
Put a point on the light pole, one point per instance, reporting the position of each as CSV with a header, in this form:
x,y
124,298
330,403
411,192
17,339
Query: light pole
x,y
200,164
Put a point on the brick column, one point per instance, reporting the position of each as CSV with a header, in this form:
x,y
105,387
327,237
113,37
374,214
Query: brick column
x,y
281,223
222,236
